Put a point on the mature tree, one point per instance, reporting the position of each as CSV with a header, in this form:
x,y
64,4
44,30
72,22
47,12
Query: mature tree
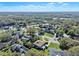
x,y
74,51
4,37
66,43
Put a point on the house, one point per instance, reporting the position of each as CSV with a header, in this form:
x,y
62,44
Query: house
x,y
27,38
41,45
66,36
2,45
40,33
36,33
6,27
76,37
17,34
55,52
18,48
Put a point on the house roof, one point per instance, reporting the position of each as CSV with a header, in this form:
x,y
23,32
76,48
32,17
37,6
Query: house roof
x,y
55,52
39,43
2,45
18,48
75,36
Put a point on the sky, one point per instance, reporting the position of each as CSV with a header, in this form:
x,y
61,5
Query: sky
x,y
39,6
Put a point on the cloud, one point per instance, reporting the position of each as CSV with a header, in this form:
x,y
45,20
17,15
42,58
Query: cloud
x,y
51,6
31,7
46,7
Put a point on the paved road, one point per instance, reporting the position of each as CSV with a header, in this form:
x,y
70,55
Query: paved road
x,y
53,39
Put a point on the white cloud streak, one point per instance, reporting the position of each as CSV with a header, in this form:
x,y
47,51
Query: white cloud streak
x,y
52,6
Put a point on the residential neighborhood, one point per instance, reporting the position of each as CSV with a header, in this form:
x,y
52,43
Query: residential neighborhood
x,y
39,35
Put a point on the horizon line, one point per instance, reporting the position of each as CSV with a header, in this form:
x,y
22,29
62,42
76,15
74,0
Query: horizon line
x,y
39,11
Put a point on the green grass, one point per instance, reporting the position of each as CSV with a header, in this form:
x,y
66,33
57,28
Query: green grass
x,y
40,38
54,45
46,52
35,52
48,35
8,53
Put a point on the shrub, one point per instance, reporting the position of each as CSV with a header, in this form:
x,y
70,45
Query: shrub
x,y
71,32
19,42
28,44
60,31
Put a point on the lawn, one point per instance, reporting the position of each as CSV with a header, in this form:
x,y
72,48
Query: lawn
x,y
35,52
48,35
54,45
